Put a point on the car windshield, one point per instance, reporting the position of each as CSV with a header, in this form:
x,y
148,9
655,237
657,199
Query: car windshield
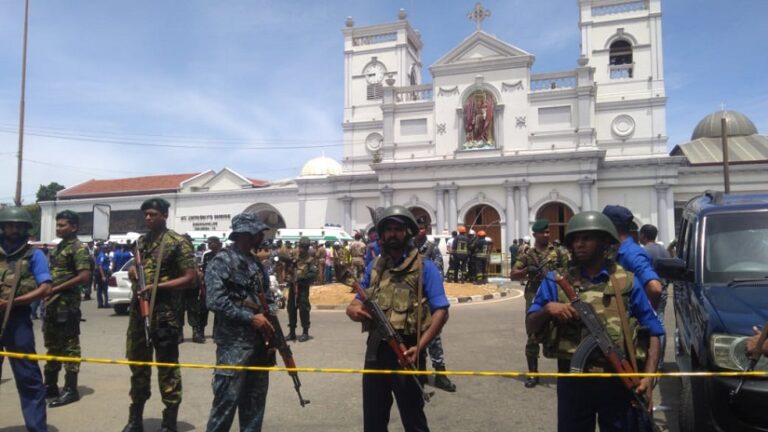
x,y
736,246
127,265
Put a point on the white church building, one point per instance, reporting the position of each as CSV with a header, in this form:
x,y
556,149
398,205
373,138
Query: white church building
x,y
487,143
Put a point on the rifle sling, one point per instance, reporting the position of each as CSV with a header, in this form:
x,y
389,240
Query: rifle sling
x,y
11,296
419,294
624,323
153,291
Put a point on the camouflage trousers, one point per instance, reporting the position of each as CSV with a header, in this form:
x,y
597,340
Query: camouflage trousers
x,y
302,303
531,346
435,350
241,391
61,333
165,345
194,307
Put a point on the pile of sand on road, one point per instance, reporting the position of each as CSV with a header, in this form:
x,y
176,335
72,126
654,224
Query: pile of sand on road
x,y
339,294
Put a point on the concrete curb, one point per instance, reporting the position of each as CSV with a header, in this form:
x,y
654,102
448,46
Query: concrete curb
x,y
451,300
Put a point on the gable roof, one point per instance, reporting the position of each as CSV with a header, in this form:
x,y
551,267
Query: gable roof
x,y
125,186
481,51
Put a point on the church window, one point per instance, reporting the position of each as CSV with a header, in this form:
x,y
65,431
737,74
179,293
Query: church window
x,y
620,59
479,117
375,91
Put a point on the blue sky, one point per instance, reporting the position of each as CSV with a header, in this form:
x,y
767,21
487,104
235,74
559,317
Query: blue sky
x,y
257,85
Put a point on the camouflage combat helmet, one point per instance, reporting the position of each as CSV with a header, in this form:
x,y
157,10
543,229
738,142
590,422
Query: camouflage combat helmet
x,y
590,221
400,214
15,214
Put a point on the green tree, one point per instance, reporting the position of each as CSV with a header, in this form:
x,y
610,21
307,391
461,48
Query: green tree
x,y
34,211
48,193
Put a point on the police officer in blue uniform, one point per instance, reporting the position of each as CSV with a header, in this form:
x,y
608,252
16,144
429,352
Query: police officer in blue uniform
x,y
24,270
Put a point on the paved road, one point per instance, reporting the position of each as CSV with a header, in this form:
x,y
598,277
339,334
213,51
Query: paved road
x,y
485,336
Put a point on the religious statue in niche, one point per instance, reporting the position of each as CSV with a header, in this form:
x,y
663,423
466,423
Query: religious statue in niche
x,y
478,121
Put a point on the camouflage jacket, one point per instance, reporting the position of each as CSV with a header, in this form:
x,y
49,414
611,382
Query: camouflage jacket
x,y
231,278
68,259
555,258
178,256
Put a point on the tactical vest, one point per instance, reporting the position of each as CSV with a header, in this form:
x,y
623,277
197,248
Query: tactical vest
x,y
462,246
562,339
8,272
395,291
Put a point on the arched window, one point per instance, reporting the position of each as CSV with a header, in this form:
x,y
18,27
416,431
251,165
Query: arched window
x,y
621,59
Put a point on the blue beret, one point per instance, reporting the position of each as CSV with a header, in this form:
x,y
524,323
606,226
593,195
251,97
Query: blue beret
x,y
620,216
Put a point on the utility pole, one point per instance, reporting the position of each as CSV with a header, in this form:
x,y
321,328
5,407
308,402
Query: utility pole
x,y
21,105
726,173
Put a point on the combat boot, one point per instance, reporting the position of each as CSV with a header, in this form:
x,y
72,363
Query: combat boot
x,y
169,419
443,382
197,335
291,335
51,384
533,366
135,418
305,336
70,393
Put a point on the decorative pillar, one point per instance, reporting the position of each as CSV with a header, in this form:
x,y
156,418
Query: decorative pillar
x,y
525,228
347,212
586,193
661,205
453,212
509,212
302,212
386,196
439,209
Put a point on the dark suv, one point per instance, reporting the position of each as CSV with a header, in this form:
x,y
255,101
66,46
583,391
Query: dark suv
x,y
720,276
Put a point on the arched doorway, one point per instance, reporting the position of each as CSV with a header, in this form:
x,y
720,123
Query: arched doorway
x,y
420,213
558,215
270,216
486,218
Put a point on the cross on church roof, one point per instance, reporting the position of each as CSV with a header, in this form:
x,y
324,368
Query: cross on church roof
x,y
478,14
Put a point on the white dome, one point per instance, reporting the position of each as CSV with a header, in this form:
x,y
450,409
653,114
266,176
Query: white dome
x,y
321,166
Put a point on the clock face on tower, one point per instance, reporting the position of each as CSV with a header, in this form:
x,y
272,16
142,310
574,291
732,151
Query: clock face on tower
x,y
374,72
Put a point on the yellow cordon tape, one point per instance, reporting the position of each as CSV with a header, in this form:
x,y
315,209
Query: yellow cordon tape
x,y
39,357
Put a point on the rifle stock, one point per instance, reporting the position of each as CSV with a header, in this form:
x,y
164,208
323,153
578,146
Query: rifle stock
x,y
598,338
388,334
143,298
278,342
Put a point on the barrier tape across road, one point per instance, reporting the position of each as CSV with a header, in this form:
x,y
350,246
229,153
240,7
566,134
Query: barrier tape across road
x,y
511,374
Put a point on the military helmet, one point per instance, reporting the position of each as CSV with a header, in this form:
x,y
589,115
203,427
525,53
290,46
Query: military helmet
x,y
16,214
304,242
401,215
590,221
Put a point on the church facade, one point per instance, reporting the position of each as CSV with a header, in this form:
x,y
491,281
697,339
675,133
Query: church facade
x,y
487,144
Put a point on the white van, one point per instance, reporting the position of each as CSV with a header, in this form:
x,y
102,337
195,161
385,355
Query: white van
x,y
323,234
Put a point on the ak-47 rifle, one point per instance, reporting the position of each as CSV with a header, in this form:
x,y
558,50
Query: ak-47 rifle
x,y
278,341
143,297
754,357
383,330
598,338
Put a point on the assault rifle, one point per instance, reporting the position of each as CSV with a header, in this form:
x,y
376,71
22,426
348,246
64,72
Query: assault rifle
x,y
277,341
598,338
383,330
144,297
754,357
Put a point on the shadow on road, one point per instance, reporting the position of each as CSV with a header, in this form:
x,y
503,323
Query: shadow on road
x,y
156,423
24,429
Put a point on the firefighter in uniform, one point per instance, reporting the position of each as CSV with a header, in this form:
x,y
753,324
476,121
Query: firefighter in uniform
x,y
459,252
481,258
71,269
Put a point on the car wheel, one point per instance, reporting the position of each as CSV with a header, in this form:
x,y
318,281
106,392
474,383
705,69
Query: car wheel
x,y
121,309
694,405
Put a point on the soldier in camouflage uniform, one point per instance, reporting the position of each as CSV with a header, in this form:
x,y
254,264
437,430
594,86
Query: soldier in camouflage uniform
x,y
190,304
70,266
357,255
429,250
300,272
240,332
176,269
597,281
533,264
